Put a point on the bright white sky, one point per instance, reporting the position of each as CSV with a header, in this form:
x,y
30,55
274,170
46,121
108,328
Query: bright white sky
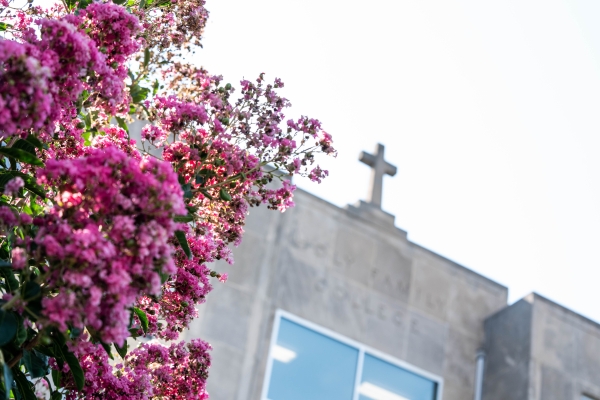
x,y
490,111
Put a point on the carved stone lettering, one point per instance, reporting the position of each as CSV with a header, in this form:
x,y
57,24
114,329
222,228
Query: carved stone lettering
x,y
321,285
340,291
398,318
382,312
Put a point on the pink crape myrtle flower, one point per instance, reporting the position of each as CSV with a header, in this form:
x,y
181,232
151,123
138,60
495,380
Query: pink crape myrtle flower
x,y
107,242
25,97
12,187
113,216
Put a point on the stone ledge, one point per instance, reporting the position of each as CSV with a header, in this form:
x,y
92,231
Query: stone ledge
x,y
376,216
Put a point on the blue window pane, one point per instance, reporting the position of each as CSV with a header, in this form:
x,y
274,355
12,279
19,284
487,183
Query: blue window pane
x,y
308,365
384,381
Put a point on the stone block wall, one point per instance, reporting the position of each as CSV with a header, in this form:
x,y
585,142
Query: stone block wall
x,y
539,350
363,280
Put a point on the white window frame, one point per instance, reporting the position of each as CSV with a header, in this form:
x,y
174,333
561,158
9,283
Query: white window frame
x,y
362,349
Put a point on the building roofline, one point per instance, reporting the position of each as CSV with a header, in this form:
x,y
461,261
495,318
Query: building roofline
x,y
460,266
402,233
537,296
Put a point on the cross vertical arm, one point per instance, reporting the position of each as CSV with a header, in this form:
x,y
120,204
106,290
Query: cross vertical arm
x,y
380,168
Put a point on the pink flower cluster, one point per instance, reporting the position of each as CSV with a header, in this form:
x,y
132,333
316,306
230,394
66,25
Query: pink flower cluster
x,y
68,53
12,187
106,238
41,78
25,100
177,371
280,199
115,137
102,248
188,286
114,32
151,371
9,218
175,114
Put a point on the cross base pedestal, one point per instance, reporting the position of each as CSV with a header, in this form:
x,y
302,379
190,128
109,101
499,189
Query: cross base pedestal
x,y
374,214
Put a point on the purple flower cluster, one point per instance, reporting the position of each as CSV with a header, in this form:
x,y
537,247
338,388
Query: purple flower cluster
x,y
100,241
151,371
25,100
106,238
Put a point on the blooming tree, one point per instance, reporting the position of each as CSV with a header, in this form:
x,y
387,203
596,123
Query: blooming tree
x,y
101,240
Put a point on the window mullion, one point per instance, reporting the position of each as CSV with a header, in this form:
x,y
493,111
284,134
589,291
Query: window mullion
x,y
359,367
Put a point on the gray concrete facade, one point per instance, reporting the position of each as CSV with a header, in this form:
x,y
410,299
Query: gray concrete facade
x,y
539,350
351,271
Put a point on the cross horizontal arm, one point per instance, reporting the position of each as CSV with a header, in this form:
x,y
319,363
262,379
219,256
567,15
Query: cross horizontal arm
x,y
390,169
368,159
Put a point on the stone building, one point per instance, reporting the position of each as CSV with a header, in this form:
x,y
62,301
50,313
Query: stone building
x,y
327,303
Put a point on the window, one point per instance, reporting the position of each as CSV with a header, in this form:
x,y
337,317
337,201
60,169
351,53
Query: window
x,y
307,361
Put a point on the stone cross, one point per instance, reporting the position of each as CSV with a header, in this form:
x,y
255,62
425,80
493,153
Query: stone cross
x,y
380,167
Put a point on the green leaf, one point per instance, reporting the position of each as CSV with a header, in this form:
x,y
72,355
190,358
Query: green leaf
x,y
35,142
84,3
34,308
7,378
180,235
35,189
163,277
8,326
44,349
121,350
88,120
24,386
5,264
205,192
143,4
122,124
56,378
63,352
107,349
21,155
224,195
36,363
5,177
24,145
183,218
187,191
119,1
141,314
31,291
207,172
56,395
146,57
138,93
21,335
30,182
70,4
87,138
4,26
